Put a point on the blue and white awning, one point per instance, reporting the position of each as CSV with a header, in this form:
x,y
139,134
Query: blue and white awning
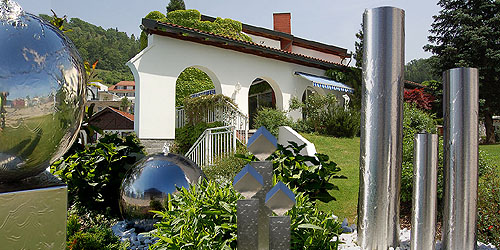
x,y
325,83
205,92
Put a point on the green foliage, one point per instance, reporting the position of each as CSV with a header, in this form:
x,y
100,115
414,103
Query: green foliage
x,y
204,217
351,77
154,15
415,121
197,108
467,34
90,231
94,174
191,81
186,136
226,167
421,70
326,116
488,206
307,174
109,77
221,26
311,228
125,104
359,46
201,217
339,122
110,47
176,5
272,119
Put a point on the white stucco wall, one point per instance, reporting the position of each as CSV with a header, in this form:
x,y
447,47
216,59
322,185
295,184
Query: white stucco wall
x,y
265,41
157,67
316,54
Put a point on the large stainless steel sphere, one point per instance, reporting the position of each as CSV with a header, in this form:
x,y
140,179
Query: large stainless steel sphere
x,y
148,183
42,90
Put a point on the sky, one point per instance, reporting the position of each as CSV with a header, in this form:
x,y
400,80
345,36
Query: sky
x,y
333,22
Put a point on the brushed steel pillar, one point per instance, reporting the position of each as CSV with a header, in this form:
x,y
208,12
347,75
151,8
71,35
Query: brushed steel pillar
x,y
264,168
248,224
461,107
381,128
424,210
279,233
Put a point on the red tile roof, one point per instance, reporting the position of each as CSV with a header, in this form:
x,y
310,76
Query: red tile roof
x,y
122,83
125,114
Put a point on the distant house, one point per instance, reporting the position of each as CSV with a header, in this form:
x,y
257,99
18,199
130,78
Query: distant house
x,y
18,103
267,72
112,120
95,91
124,89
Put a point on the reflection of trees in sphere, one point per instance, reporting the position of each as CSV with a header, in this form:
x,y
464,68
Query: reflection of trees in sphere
x,y
146,186
42,86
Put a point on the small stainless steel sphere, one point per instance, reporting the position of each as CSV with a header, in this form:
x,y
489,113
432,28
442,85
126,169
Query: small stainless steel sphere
x,y
42,90
148,183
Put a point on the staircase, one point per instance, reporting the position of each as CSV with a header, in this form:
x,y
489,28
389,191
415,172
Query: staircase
x,y
213,144
220,141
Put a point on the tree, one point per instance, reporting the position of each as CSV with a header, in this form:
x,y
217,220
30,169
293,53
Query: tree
x,y
176,5
421,70
466,33
358,47
125,104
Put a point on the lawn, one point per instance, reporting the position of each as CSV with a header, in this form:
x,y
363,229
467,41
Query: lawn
x,y
493,152
344,152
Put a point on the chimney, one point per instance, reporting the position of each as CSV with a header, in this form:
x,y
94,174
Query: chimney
x,y
282,23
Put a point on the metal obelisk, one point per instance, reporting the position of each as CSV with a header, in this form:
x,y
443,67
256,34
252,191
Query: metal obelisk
x,y
381,128
461,107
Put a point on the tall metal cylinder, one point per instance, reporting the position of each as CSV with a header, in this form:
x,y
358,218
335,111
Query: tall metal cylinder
x,y
381,128
424,211
461,107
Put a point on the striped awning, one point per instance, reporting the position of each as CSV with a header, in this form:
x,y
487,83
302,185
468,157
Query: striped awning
x,y
205,92
325,83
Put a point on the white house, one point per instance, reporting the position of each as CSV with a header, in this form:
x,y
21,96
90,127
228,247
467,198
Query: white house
x,y
291,66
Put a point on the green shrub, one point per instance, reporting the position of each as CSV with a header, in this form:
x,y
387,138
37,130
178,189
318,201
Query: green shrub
x,y
201,217
312,228
323,114
191,81
94,174
311,175
339,122
226,168
272,119
186,136
488,206
87,230
415,121
204,217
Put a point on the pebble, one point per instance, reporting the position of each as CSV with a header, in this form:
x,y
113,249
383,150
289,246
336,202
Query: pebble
x,y
350,240
137,241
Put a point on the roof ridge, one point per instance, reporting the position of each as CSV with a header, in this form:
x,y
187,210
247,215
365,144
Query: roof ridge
x,y
251,43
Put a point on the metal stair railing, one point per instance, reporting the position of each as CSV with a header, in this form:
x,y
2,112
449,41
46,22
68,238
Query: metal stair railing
x,y
228,114
213,144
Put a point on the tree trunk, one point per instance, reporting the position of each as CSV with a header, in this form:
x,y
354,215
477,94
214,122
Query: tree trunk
x,y
490,129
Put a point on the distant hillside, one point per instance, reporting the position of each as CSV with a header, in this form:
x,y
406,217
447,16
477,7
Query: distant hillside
x,y
111,47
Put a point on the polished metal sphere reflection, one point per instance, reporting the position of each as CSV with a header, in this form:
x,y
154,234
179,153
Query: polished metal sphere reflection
x,y
42,89
147,184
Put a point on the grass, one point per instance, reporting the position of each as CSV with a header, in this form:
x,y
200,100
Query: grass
x,y
493,152
344,152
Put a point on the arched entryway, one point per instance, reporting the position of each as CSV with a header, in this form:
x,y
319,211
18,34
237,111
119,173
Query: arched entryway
x,y
194,80
260,95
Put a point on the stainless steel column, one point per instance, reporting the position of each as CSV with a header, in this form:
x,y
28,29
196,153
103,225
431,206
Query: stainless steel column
x,y
279,233
461,107
248,224
264,168
381,128
425,165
